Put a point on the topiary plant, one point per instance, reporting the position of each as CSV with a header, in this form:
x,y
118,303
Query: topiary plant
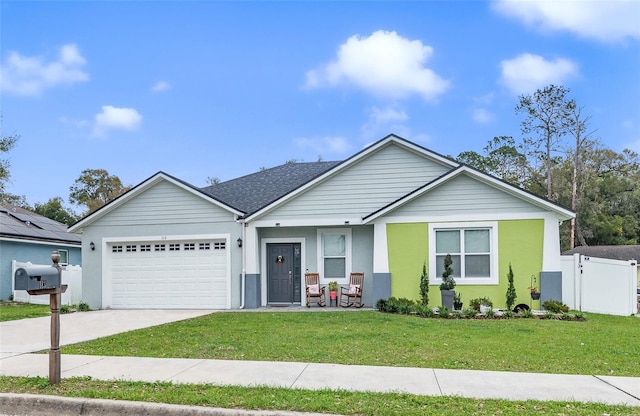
x,y
424,285
448,282
511,290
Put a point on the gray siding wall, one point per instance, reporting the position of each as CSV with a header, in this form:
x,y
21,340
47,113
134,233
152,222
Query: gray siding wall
x,y
163,210
464,195
364,187
165,203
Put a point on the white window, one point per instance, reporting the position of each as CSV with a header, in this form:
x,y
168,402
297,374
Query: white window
x,y
204,246
473,250
159,247
334,254
219,246
189,246
174,247
145,247
116,249
131,248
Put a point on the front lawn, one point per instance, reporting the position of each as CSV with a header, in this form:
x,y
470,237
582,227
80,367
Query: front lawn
x,y
323,401
10,311
603,345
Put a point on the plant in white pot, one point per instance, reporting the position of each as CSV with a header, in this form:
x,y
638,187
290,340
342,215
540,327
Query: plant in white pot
x,y
448,283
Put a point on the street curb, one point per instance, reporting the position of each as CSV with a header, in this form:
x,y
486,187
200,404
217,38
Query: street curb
x,y
44,405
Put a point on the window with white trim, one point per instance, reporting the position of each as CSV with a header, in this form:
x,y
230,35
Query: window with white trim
x,y
473,250
334,253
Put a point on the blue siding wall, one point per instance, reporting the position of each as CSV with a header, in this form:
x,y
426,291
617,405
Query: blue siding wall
x,y
34,252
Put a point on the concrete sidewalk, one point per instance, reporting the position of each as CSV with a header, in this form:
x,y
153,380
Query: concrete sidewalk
x,y
314,376
19,338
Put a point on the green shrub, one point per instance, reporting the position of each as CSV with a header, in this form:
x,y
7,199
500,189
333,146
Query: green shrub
x,y
424,285
475,303
555,306
443,312
490,313
64,309
527,313
381,305
83,307
508,314
424,311
469,313
511,290
548,315
448,282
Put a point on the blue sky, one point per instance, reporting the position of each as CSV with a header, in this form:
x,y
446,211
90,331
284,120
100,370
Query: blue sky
x,y
221,89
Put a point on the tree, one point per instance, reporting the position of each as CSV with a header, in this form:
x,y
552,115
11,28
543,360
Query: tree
x,y
582,139
501,159
424,285
6,144
95,188
213,180
548,114
54,210
511,290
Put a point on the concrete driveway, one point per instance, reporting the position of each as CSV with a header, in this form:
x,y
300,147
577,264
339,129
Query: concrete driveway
x,y
29,335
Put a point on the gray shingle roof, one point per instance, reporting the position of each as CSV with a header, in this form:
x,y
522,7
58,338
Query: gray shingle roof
x,y
22,224
630,252
252,192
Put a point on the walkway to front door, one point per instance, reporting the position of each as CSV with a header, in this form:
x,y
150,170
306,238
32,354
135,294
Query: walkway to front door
x,y
284,273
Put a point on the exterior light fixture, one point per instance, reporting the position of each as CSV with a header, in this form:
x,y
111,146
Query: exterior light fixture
x,y
92,246
239,241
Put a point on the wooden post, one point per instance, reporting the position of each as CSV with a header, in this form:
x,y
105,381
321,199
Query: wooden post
x,y
54,353
55,297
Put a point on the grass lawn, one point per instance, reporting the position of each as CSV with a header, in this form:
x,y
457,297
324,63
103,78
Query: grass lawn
x,y
325,401
602,345
10,311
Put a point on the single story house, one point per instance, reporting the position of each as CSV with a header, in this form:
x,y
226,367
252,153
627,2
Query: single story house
x,y
29,237
385,211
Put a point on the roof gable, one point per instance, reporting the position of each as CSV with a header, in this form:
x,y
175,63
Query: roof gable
x,y
142,187
476,175
390,140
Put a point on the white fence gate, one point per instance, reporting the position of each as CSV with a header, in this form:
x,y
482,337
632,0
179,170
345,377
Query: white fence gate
x,y
71,276
598,285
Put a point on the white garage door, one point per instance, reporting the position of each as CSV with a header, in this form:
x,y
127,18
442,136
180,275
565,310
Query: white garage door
x,y
169,274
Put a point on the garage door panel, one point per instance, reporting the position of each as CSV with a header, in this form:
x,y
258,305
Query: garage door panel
x,y
170,274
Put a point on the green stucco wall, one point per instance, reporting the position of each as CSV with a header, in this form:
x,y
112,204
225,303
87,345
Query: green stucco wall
x,y
520,242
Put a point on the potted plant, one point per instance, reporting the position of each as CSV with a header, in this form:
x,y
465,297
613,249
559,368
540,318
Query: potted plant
x,y
448,283
457,301
535,295
333,290
482,305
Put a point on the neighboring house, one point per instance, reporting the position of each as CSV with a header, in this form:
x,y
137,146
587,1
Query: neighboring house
x,y
385,211
29,237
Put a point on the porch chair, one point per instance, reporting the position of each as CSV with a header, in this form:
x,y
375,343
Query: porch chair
x,y
352,295
313,289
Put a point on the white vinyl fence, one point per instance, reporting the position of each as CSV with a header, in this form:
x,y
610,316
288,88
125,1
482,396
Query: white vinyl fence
x,y
598,285
71,276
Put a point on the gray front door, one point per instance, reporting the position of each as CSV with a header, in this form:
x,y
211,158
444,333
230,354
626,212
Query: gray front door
x,y
283,273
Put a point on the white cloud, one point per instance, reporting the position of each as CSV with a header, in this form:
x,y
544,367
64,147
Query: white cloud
x,y
30,76
384,64
603,20
160,86
527,72
482,116
114,118
324,145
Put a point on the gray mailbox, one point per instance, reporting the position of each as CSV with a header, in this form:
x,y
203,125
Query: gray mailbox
x,y
37,278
